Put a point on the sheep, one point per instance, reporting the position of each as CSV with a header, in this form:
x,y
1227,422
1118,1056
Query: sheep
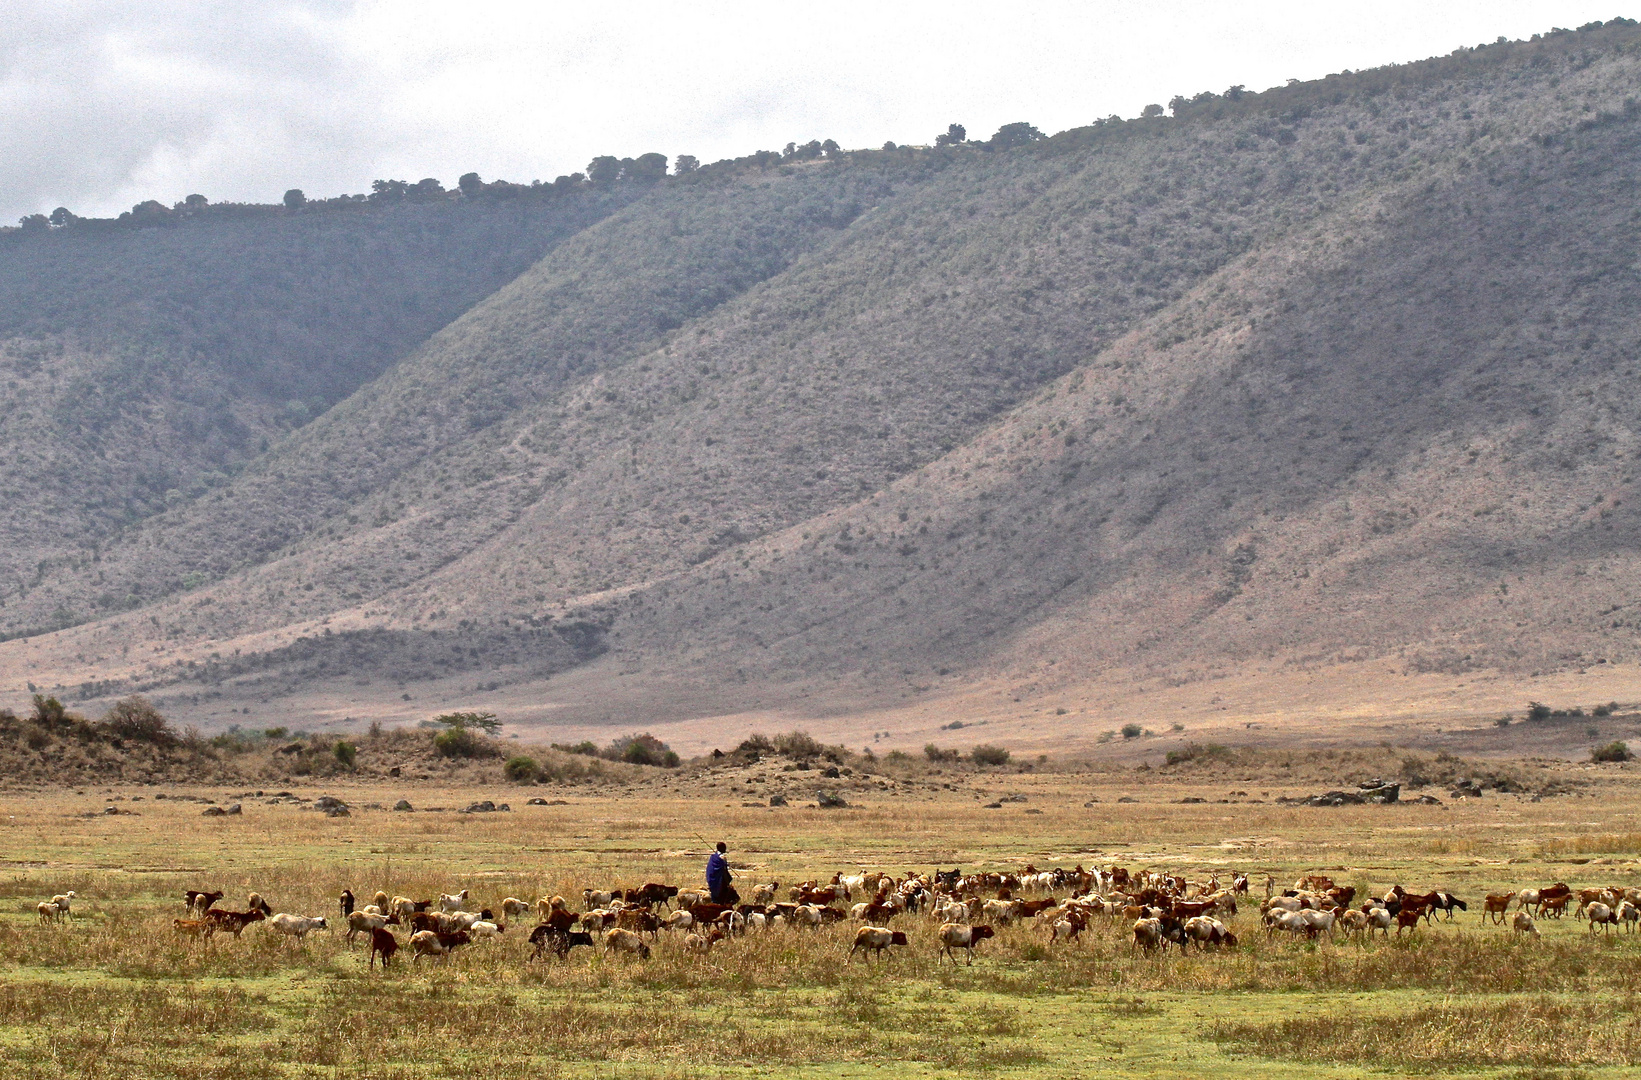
x,y
297,926
701,943
437,943
64,902
686,898
678,920
619,940
1320,922
592,898
1628,914
512,908
1354,922
958,936
450,902
254,902
194,900
549,904
875,939
1600,915
1522,923
1148,934
364,922
1291,921
48,911
484,928
380,900
764,895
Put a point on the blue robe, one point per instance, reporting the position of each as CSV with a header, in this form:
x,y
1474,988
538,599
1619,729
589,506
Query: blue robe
x,y
717,875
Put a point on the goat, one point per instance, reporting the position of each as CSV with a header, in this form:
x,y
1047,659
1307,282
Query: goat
x,y
618,940
383,943
199,928
877,939
437,943
1522,923
194,900
297,926
449,902
959,936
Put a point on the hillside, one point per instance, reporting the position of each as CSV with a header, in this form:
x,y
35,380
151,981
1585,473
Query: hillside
x,y
1319,383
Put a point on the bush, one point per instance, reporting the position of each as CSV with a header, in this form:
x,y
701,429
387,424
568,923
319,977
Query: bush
x,y
1192,751
1537,711
48,711
522,769
643,749
585,746
798,744
135,718
1503,721
345,753
986,754
934,753
756,744
456,742
1613,751
1132,731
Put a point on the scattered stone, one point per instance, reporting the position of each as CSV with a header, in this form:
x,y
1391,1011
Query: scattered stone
x,y
233,809
292,748
403,804
994,806
337,811
777,800
485,807
503,808
112,810
830,800
1128,798
159,795
1427,800
1334,798
1012,798
1377,791
830,772
1034,810
537,801
214,811
559,802
1193,799
394,771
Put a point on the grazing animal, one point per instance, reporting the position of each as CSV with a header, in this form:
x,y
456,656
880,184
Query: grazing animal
x,y
297,926
346,903
484,928
383,943
877,939
618,940
198,928
380,900
512,908
1628,914
549,904
437,943
560,939
449,902
201,902
1553,907
48,911
958,936
364,922
1408,919
234,921
1600,915
765,894
1522,923
653,893
1495,905
1148,934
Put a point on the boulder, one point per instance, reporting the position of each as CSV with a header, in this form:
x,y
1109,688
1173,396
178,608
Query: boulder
x,y
337,811
777,800
830,800
233,809
328,803
213,811
537,801
485,807
403,804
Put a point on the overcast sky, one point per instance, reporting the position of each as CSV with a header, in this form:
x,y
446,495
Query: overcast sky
x,y
104,104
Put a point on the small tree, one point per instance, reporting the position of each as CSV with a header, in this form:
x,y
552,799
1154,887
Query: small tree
x,y
1151,111
604,170
34,223
455,742
1010,136
345,753
685,163
484,721
196,202
952,136
1132,731
48,711
136,718
646,168
986,754
295,199
62,216
1538,712
522,769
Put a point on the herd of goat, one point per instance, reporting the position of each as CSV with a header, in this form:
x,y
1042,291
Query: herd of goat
x,y
1164,910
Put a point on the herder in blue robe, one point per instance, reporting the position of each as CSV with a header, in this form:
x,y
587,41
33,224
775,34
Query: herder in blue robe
x,y
718,875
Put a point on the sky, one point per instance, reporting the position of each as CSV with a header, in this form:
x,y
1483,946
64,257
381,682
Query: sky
x,y
105,103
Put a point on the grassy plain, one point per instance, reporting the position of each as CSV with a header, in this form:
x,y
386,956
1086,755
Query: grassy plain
x,y
114,994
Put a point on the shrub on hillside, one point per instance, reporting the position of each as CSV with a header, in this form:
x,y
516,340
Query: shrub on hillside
x,y
484,721
585,747
522,769
345,753
643,749
456,742
135,718
1613,751
986,754
1132,731
936,754
1537,711
798,744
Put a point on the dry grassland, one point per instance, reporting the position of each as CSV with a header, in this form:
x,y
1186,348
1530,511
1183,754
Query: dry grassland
x,y
114,992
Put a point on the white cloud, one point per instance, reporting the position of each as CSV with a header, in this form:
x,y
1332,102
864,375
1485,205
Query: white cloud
x,y
103,104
